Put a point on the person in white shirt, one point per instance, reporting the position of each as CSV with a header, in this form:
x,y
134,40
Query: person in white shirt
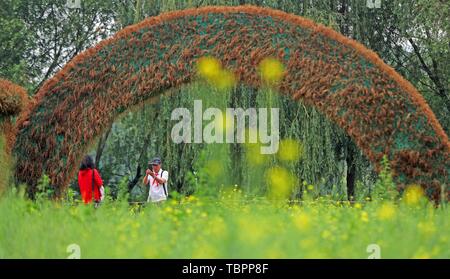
x,y
156,179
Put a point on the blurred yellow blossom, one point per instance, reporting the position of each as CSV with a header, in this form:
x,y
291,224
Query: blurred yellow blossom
x,y
290,150
211,69
364,216
302,221
271,70
208,67
413,194
224,80
253,154
386,211
280,182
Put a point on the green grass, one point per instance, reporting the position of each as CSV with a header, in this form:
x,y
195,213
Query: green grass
x,y
232,226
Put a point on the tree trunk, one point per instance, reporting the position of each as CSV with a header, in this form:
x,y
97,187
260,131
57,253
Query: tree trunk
x,y
351,171
350,154
101,146
344,24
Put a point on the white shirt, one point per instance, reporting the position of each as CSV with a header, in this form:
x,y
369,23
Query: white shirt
x,y
156,192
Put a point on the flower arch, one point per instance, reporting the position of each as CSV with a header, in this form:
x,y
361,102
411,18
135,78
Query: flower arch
x,y
351,85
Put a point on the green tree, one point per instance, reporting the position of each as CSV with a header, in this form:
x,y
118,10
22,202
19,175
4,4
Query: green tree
x,y
15,41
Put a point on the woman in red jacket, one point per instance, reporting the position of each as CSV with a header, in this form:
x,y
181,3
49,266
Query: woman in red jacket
x,y
90,181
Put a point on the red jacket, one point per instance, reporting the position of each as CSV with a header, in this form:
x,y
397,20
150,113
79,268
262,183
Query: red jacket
x,y
85,183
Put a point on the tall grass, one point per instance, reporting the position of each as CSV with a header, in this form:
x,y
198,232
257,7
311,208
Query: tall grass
x,y
231,226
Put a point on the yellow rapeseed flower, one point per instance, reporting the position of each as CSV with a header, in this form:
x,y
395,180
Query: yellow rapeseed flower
x,y
280,182
302,221
364,216
271,70
253,154
208,67
386,211
224,80
413,194
290,150
211,69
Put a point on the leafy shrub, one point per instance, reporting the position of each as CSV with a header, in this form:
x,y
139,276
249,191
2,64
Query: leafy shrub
x,y
13,98
44,190
385,188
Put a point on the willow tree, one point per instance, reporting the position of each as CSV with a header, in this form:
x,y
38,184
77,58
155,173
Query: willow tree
x,y
329,157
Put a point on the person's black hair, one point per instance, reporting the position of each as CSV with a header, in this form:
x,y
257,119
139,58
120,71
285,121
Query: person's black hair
x,y
87,163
